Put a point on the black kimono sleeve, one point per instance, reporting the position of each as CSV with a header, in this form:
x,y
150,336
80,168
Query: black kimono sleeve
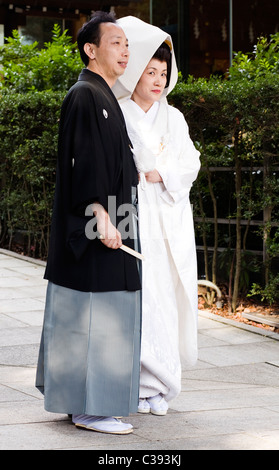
x,y
86,163
82,154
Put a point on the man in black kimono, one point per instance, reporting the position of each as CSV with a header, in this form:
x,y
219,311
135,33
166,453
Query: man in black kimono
x,y
89,356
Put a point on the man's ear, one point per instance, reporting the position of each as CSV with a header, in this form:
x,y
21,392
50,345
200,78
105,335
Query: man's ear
x,y
89,50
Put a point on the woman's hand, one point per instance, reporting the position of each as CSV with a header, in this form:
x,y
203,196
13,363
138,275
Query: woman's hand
x,y
110,236
153,176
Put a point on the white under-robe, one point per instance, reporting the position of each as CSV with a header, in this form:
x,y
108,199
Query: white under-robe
x,y
161,140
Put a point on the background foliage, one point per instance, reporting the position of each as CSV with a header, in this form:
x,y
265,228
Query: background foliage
x,y
233,121
26,67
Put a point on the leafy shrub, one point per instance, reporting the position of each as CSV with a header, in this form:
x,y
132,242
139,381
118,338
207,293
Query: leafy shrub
x,y
28,152
234,123
26,67
32,86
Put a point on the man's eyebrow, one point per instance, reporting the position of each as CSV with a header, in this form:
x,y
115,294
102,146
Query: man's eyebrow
x,y
117,37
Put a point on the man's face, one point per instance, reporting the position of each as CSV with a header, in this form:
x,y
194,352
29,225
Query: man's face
x,y
111,57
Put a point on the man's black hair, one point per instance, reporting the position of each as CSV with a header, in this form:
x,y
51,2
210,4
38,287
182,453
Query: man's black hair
x,y
90,32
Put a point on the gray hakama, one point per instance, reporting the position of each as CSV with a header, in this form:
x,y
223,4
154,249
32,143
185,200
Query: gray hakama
x,y
90,352
89,358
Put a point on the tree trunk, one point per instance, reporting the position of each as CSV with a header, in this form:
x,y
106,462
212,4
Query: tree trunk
x,y
215,215
205,249
267,211
238,226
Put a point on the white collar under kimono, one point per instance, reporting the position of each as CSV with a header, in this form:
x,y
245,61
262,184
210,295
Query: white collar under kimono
x,y
145,119
149,134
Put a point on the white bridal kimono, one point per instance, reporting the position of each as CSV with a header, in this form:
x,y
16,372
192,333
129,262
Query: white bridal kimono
x,y
169,288
161,140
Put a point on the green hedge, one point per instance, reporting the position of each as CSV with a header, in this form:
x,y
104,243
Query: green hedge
x,y
28,152
235,124
33,83
26,67
233,121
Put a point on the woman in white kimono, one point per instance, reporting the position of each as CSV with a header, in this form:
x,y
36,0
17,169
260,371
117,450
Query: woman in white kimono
x,y
168,163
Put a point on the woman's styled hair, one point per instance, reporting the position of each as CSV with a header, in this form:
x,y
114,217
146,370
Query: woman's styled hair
x,y
90,32
163,54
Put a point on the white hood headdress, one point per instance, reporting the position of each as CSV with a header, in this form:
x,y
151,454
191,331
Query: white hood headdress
x,y
144,40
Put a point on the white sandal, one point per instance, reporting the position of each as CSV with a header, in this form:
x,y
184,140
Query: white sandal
x,y
158,405
103,424
143,406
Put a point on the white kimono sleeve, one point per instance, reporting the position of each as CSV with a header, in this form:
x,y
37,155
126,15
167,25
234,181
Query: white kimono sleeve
x,y
180,169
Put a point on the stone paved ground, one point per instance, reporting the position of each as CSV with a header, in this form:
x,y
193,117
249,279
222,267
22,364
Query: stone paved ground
x,y
229,401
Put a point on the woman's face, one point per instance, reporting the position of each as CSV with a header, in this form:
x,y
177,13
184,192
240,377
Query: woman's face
x,y
151,84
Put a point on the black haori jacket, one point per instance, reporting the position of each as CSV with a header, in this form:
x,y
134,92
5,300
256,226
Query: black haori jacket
x,y
94,162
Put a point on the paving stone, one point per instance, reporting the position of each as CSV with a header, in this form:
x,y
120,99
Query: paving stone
x,y
229,399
